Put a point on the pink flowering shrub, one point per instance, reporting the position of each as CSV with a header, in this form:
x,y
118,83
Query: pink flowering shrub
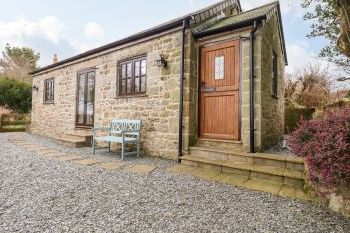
x,y
326,145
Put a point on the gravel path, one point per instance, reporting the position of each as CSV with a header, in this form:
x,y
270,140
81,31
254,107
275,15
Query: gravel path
x,y
43,195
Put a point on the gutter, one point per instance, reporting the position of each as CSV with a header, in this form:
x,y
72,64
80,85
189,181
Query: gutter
x,y
182,77
229,27
252,87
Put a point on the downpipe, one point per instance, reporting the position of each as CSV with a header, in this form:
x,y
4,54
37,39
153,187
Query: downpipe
x,y
182,77
252,87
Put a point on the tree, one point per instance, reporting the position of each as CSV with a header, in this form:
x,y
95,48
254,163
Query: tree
x,y
15,95
309,87
331,20
17,62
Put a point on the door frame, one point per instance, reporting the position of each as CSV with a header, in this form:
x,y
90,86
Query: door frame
x,y
209,43
87,70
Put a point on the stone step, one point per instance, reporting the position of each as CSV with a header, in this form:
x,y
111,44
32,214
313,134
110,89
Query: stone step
x,y
243,181
217,143
72,142
87,138
282,161
81,134
13,128
281,175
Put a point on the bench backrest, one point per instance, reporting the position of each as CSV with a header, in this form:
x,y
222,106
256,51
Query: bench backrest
x,y
118,126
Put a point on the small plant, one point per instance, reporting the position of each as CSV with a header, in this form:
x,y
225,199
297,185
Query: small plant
x,y
326,145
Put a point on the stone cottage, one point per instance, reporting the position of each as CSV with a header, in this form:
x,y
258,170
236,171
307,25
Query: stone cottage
x,y
210,79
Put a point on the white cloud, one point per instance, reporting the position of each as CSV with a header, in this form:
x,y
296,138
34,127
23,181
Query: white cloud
x,y
299,57
15,32
47,36
93,29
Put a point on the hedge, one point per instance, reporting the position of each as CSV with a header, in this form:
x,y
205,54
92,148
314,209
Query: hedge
x,y
293,115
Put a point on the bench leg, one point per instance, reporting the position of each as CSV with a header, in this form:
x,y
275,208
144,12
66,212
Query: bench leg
x,y
123,151
93,146
138,149
109,147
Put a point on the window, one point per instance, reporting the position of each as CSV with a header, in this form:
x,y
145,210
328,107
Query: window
x,y
132,76
49,90
219,67
274,75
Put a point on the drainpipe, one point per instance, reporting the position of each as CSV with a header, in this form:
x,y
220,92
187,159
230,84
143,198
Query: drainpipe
x,y
252,76
182,77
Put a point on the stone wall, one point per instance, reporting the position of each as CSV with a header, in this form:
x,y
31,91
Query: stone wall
x,y
272,108
158,110
245,109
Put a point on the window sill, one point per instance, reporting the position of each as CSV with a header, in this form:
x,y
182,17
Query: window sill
x,y
131,96
49,103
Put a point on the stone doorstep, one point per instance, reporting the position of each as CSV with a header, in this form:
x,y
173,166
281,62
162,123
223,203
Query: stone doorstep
x,y
110,165
88,162
242,181
141,169
281,161
216,143
245,166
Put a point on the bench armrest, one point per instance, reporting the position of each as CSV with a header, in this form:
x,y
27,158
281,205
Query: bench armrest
x,y
130,131
100,129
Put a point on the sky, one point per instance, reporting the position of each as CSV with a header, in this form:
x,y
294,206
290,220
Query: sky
x,y
69,27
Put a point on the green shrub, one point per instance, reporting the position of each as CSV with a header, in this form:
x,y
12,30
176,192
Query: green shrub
x,y
15,95
293,115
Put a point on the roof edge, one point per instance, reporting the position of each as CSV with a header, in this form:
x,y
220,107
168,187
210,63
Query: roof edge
x,y
230,27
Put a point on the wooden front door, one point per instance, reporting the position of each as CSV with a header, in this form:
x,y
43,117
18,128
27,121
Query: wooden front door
x,y
85,99
219,91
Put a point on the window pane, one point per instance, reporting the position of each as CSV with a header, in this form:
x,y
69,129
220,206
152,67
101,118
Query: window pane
x,y
90,86
89,112
143,84
274,74
129,85
143,67
81,100
123,86
137,84
128,70
123,71
51,90
137,68
219,67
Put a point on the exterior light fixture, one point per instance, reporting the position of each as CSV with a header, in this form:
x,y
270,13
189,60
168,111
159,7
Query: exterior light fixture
x,y
162,62
35,88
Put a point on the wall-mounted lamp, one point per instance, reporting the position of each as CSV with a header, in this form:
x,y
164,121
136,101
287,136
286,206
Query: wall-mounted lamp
x,y
162,62
35,88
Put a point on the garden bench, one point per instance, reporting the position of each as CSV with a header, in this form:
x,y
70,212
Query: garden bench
x,y
122,132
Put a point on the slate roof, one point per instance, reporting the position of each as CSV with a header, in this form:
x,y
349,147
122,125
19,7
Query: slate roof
x,y
250,15
240,20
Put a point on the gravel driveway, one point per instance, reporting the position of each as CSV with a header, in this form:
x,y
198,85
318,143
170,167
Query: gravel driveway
x,y
38,194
